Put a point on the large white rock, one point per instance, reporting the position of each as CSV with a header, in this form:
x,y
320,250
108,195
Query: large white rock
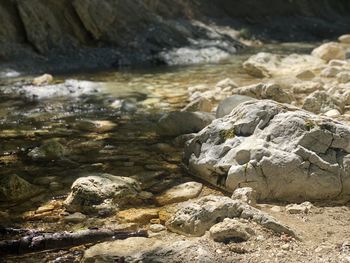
x,y
282,152
329,51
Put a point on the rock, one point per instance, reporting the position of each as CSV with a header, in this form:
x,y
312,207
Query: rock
x,y
181,140
149,250
226,85
330,72
49,150
98,192
258,65
276,209
227,105
70,88
178,123
343,77
344,39
332,113
200,104
322,102
75,218
230,229
95,126
246,195
305,75
264,64
14,188
180,193
306,87
264,144
329,51
43,80
303,208
157,228
194,218
140,215
266,91
337,63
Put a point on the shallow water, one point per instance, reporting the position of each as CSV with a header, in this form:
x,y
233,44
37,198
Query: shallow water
x,y
131,148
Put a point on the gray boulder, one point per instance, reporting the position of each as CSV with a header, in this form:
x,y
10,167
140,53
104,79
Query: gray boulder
x,y
101,192
280,151
227,105
178,123
195,218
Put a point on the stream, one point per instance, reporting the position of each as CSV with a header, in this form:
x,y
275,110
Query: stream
x,y
126,108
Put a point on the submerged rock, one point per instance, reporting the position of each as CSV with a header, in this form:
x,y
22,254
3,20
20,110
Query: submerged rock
x,y
265,144
180,193
14,188
199,104
49,150
100,192
178,123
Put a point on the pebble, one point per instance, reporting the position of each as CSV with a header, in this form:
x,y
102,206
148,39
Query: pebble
x,y
285,247
75,218
157,228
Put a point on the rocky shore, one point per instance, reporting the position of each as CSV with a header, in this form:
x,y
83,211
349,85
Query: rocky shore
x,y
218,173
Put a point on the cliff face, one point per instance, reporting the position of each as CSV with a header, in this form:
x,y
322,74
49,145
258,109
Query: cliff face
x,y
119,32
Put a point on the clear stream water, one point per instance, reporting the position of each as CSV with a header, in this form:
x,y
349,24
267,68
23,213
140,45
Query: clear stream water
x,y
131,148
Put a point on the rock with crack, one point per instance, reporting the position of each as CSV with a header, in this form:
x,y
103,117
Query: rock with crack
x,y
195,218
322,102
101,193
282,152
245,194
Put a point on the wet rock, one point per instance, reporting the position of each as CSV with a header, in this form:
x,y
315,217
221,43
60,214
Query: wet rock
x,y
95,126
100,192
266,91
178,123
200,104
329,51
157,228
305,75
180,193
70,88
181,140
43,80
264,144
49,150
231,229
227,105
322,102
14,188
75,218
302,208
246,195
138,215
194,218
344,39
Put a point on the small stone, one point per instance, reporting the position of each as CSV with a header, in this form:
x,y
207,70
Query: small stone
x,y
54,186
245,194
141,215
343,77
155,221
227,85
180,193
260,238
200,104
276,209
145,195
157,228
75,218
230,229
95,126
285,247
303,208
43,80
332,113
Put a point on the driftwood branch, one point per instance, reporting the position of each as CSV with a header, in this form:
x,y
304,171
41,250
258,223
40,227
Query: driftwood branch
x,y
51,241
